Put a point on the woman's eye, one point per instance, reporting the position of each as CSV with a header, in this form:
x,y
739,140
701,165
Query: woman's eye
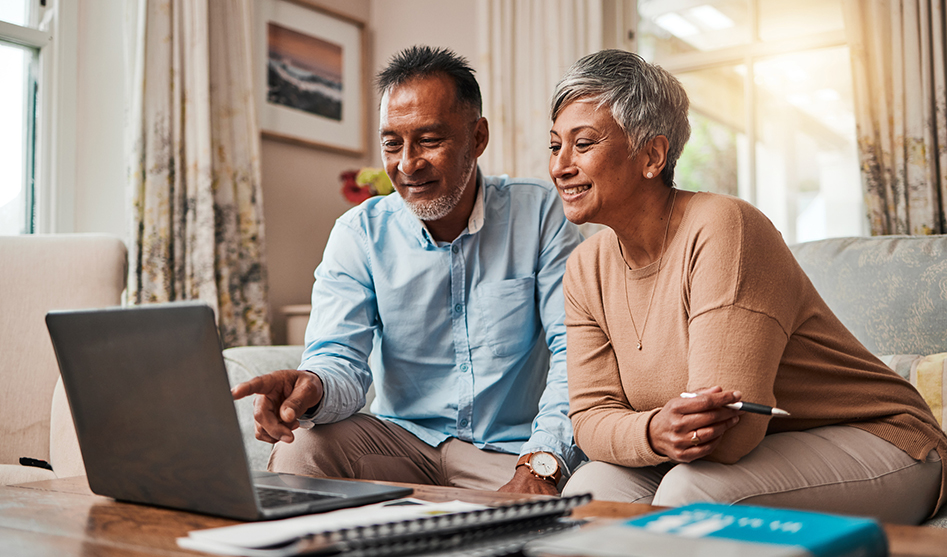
x,y
555,148
583,145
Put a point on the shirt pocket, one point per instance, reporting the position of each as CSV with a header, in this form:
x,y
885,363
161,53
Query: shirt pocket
x,y
508,315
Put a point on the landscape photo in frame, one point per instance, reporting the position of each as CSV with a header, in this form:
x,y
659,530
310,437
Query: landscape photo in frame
x,y
310,76
303,72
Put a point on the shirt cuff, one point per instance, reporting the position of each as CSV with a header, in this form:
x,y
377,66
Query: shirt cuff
x,y
307,419
340,399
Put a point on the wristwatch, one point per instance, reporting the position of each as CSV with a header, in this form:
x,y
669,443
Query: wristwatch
x,y
543,465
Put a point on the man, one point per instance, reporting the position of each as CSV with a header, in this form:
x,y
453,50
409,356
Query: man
x,y
456,285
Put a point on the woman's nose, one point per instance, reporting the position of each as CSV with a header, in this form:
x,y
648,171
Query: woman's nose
x,y
560,165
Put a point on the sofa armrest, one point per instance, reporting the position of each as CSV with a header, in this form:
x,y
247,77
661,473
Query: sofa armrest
x,y
64,454
244,363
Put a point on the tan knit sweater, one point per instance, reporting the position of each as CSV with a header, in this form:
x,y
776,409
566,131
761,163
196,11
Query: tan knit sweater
x,y
731,308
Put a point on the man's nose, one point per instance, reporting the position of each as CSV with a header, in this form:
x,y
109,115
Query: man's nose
x,y
411,161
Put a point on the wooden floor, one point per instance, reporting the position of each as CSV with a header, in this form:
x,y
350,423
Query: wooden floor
x,y
63,517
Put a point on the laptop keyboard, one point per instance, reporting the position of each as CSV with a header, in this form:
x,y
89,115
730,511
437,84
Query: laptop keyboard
x,y
271,497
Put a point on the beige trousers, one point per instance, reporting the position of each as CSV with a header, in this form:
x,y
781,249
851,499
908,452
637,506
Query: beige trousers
x,y
837,469
365,447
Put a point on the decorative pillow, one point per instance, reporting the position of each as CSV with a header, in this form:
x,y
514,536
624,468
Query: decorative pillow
x,y
926,373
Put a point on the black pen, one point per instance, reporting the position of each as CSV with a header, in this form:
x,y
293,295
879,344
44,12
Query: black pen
x,y
751,407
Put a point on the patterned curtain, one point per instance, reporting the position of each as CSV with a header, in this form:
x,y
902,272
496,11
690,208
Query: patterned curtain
x,y
194,163
898,58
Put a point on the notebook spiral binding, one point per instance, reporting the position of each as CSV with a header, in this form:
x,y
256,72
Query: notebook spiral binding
x,y
499,530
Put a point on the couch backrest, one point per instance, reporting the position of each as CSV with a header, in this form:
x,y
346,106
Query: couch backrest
x,y
39,273
890,291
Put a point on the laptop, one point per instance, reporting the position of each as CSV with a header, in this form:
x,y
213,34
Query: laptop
x,y
157,424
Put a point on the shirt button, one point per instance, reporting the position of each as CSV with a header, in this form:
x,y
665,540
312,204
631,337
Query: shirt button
x,y
463,367
463,423
458,308
455,249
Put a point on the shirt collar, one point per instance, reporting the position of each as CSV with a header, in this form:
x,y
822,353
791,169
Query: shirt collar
x,y
475,223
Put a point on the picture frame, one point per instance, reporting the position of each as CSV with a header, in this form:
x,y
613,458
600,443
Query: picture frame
x,y
310,76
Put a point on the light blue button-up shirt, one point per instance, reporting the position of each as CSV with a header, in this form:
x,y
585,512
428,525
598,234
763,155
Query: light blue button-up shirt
x,y
468,336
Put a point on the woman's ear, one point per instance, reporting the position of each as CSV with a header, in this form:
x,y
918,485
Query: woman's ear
x,y
656,153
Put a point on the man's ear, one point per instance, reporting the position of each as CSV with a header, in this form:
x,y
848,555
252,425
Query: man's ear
x,y
656,155
481,136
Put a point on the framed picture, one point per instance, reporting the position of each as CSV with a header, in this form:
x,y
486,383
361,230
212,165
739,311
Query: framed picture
x,y
310,76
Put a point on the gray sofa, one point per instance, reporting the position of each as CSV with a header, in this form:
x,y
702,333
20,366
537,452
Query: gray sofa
x,y
891,292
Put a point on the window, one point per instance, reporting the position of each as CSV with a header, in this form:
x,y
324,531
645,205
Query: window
x,y
772,111
18,65
28,101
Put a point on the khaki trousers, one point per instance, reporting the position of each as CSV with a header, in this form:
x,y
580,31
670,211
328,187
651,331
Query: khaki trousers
x,y
836,469
365,447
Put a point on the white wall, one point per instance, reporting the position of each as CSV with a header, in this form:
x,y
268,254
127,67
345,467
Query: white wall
x,y
100,204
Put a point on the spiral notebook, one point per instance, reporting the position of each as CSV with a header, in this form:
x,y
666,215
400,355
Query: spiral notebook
x,y
402,527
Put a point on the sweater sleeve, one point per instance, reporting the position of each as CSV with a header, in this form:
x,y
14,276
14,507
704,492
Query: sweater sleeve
x,y
743,293
739,350
605,425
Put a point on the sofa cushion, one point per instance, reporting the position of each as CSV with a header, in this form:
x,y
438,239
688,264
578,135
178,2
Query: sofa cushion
x,y
889,291
244,363
926,373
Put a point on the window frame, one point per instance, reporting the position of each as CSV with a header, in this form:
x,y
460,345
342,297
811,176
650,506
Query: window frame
x,y
33,41
53,34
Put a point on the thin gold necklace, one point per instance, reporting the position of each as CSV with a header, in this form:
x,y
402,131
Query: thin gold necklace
x,y
667,226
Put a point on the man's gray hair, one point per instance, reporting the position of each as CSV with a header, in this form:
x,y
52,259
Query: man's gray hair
x,y
645,100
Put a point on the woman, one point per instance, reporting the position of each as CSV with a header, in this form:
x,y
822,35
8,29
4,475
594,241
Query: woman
x,y
697,294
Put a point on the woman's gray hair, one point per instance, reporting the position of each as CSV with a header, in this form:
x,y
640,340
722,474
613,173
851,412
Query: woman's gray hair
x,y
645,100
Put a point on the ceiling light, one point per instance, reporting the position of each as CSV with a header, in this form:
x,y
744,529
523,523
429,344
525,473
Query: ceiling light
x,y
676,25
710,17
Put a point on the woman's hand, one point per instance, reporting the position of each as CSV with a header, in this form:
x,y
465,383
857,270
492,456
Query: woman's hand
x,y
687,429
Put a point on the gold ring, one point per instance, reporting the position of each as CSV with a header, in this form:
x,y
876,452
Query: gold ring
x,y
695,440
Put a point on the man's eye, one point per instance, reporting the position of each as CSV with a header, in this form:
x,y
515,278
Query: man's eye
x,y
390,146
430,141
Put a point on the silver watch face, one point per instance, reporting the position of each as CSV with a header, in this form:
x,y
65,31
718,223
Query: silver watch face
x,y
543,464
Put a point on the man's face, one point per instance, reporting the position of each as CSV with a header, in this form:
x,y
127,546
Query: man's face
x,y
430,144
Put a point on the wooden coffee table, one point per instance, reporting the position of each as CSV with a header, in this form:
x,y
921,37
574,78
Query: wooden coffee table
x,y
63,517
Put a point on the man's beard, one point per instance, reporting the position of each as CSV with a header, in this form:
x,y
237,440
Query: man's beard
x,y
442,206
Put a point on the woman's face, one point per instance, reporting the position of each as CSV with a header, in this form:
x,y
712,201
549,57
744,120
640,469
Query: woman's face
x,y
591,164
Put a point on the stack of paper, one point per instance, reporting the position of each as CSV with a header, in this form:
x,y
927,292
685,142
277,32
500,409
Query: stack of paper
x,y
293,536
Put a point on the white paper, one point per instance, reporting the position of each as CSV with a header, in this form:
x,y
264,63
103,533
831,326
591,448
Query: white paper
x,y
248,539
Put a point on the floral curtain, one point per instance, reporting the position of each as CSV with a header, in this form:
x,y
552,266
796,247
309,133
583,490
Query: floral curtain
x,y
898,58
194,163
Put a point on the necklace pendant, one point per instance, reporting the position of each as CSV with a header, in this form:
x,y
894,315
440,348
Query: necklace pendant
x,y
639,345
